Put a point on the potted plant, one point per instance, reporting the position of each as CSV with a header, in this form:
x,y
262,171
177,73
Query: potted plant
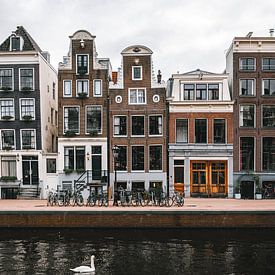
x,y
258,193
70,133
8,178
68,171
82,95
80,171
237,194
27,117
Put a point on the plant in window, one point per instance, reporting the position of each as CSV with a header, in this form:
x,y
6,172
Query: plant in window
x,y
80,171
26,89
5,88
68,171
8,178
27,117
7,147
7,117
70,133
82,95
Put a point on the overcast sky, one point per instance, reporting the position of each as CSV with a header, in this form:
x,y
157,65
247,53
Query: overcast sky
x,y
184,35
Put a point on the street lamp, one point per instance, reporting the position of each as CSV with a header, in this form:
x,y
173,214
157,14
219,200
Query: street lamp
x,y
115,151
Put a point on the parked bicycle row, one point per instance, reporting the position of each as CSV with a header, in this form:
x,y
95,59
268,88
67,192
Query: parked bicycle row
x,y
121,198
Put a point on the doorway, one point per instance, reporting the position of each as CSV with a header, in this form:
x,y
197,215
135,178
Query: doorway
x,y
96,162
247,190
30,170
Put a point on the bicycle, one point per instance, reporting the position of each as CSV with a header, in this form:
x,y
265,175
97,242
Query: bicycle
x,y
52,198
178,199
77,198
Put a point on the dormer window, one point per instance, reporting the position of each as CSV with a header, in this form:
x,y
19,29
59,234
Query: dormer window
x,y
82,64
137,73
15,44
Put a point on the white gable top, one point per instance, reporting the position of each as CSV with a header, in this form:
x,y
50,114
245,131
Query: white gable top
x,y
137,50
82,34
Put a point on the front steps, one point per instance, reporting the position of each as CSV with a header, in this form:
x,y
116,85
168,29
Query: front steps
x,y
28,193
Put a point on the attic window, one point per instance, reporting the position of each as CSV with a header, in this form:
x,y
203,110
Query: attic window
x,y
15,44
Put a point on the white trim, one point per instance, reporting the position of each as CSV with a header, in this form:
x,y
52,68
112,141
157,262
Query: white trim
x,y
20,104
159,135
14,138
269,95
21,42
225,120
28,129
5,99
12,72
88,87
133,68
88,65
246,127
101,93
137,171
114,125
253,87
247,57
33,78
266,57
136,89
149,158
71,83
73,106
131,128
90,105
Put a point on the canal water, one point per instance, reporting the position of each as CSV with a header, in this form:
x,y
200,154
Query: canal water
x,y
131,252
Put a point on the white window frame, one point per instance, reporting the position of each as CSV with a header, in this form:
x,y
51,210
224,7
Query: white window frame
x,y
137,171
88,65
33,81
71,93
159,135
152,145
12,75
94,82
263,86
86,107
3,99
74,106
267,57
20,104
14,138
21,42
137,89
247,57
132,126
21,145
253,87
133,70
88,87
240,116
114,135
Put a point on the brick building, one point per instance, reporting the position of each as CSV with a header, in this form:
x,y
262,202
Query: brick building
x,y
200,134
28,116
83,81
138,123
250,62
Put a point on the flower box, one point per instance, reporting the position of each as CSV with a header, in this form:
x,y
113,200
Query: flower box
x,y
27,118
7,117
68,171
8,178
26,89
70,133
81,95
5,88
27,147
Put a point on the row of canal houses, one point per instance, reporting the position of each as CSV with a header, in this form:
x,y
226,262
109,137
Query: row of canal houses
x,y
203,133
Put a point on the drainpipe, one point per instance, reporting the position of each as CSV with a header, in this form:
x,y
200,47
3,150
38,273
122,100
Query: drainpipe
x,y
108,136
167,146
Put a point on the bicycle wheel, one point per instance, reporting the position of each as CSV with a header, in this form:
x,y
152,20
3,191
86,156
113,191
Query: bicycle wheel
x,y
79,200
168,202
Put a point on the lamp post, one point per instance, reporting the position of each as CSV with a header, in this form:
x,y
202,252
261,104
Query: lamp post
x,y
115,151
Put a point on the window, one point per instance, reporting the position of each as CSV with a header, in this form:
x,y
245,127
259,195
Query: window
x,y
6,79
218,170
138,158
93,119
200,130
8,166
82,64
51,165
155,157
7,109
246,153
269,87
54,90
247,64
67,88
15,43
268,64
182,130
213,91
219,130
7,139
189,92
137,125
247,87
198,173
120,126
97,87
136,73
268,115
179,171
201,92
137,96
71,119
268,161
247,116
26,79
121,160
138,186
74,158
155,125
82,87
27,108
52,112
28,139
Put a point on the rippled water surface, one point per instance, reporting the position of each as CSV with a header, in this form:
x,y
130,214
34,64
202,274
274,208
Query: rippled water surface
x,y
48,251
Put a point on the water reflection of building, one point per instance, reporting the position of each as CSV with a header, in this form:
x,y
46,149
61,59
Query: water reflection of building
x,y
200,134
251,66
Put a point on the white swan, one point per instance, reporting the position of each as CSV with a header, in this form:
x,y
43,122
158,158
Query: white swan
x,y
85,269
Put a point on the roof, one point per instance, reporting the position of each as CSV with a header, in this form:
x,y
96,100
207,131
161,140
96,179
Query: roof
x,y
137,50
29,43
198,72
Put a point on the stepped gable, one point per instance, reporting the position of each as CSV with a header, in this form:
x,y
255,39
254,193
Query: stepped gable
x,y
29,43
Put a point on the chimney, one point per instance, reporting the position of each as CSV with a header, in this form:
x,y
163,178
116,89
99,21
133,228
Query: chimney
x,y
271,32
159,76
